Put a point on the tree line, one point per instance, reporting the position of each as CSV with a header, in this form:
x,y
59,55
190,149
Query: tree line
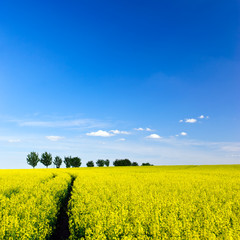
x,y
46,159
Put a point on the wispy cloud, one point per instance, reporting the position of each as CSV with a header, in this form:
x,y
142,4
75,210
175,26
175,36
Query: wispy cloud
x,y
216,146
14,140
64,122
70,123
231,147
154,136
54,138
122,139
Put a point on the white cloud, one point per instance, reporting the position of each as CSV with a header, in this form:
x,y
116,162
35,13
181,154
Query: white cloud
x,y
139,129
143,129
119,132
115,131
54,138
154,136
14,140
191,120
100,133
183,133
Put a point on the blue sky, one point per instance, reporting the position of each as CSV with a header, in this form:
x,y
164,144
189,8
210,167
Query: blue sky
x,y
114,79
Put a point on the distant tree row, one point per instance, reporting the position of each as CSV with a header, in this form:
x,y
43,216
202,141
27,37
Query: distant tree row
x,y
147,164
46,159
127,162
116,163
99,162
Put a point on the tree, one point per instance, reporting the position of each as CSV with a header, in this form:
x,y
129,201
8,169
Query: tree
x,y
147,164
134,164
122,162
90,164
46,159
57,162
106,163
100,163
67,161
75,162
33,159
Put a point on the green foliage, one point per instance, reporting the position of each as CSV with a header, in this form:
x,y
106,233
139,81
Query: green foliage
x,y
46,159
67,161
106,163
100,162
147,164
57,162
122,162
33,159
75,162
90,164
134,164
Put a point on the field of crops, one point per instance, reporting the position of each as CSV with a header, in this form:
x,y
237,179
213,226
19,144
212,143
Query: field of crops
x,y
175,202
29,202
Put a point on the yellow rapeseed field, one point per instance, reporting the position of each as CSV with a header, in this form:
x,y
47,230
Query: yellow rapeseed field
x,y
29,202
174,202
186,202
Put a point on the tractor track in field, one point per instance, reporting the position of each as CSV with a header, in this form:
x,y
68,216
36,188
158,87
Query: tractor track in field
x,y
62,231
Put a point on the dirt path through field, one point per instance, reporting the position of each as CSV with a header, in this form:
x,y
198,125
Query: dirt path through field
x,y
62,226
